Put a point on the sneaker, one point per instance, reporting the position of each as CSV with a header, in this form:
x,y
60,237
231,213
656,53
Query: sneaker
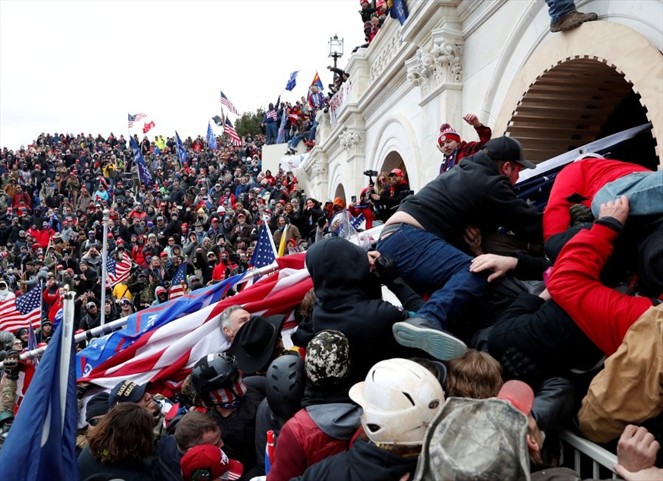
x,y
572,20
418,333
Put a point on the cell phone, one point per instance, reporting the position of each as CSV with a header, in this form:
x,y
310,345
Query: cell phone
x,y
353,198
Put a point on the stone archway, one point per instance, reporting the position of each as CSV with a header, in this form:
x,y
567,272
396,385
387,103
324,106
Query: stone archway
x,y
578,88
340,192
393,160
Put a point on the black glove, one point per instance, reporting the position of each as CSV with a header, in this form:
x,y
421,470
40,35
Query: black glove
x,y
518,365
385,268
321,222
12,364
580,214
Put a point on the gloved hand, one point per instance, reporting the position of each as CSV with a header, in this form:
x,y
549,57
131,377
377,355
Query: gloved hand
x,y
518,365
580,214
12,364
322,221
385,268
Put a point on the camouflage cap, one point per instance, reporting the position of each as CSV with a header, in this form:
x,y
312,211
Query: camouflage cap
x,y
477,439
328,358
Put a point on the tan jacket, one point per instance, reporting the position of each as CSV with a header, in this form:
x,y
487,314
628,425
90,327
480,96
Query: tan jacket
x,y
629,390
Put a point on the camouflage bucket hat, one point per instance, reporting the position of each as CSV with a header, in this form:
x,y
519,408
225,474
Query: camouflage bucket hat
x,y
328,358
477,439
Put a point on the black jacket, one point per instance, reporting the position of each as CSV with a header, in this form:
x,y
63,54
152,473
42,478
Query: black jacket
x,y
473,193
349,299
363,462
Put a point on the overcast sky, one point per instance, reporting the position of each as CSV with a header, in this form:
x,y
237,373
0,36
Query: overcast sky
x,y
82,66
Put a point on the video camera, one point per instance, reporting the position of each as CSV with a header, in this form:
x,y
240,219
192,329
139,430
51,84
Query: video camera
x,y
370,174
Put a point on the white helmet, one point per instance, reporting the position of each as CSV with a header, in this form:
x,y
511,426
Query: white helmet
x,y
400,398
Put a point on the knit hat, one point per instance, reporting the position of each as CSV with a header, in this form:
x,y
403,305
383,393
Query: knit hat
x,y
447,132
339,202
206,461
327,360
97,406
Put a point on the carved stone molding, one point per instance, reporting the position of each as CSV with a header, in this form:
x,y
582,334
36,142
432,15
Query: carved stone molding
x,y
353,141
437,63
384,58
319,169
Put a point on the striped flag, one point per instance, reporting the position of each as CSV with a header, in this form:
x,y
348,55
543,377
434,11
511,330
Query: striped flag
x,y
176,289
317,82
228,103
165,355
135,118
265,251
232,133
21,311
118,271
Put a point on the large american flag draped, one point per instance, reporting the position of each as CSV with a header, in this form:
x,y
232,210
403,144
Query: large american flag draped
x,y
176,289
165,355
21,311
228,103
118,271
232,133
135,118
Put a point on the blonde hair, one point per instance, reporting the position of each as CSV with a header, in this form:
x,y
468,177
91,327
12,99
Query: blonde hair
x,y
475,375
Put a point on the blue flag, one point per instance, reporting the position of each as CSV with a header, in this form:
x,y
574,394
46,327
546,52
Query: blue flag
x,y
211,138
143,172
103,348
41,444
399,10
182,154
292,81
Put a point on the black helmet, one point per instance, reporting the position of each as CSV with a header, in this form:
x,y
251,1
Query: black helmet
x,y
286,379
214,371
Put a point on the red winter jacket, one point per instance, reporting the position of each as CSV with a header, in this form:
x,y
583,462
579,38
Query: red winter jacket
x,y
300,444
602,313
583,178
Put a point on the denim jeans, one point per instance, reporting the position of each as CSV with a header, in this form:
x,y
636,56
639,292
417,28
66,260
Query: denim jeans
x,y
426,259
271,130
558,8
643,189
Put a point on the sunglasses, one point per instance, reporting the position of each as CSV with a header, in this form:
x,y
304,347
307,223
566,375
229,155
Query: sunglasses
x,y
94,421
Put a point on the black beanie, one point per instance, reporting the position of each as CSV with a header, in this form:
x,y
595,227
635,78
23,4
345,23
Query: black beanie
x,y
97,406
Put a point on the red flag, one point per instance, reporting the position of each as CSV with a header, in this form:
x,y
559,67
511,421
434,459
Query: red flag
x,y
147,126
166,355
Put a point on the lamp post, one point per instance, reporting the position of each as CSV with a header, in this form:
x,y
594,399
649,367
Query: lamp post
x,y
104,267
335,48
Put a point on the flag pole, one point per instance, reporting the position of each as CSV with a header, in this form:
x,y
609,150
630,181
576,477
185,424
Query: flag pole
x,y
372,234
104,267
65,348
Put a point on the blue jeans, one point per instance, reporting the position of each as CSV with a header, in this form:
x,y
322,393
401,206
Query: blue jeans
x,y
558,8
426,259
296,139
643,189
271,131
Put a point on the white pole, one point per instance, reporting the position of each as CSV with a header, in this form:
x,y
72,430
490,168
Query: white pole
x,y
104,267
65,348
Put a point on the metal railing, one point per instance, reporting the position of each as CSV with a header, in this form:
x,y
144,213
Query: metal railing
x,y
586,458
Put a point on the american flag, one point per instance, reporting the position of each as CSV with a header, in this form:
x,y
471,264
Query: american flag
x,y
176,289
21,311
164,356
232,133
228,103
265,251
118,271
135,118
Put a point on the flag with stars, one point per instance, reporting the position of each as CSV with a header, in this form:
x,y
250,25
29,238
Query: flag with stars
x,y
118,271
143,173
292,81
176,289
265,251
21,311
135,118
182,154
228,103
211,138
232,133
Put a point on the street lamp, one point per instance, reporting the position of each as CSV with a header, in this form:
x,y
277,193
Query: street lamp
x,y
335,48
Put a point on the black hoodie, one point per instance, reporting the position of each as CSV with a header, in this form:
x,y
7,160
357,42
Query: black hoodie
x,y
349,299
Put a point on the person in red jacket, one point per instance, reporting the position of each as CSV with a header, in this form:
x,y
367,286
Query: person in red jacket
x,y
454,149
604,314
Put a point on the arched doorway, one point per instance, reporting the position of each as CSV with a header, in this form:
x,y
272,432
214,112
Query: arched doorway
x,y
340,192
578,101
394,161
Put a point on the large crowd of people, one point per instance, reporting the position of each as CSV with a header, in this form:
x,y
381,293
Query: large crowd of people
x,y
513,324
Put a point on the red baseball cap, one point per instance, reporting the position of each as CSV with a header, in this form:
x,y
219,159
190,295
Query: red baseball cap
x,y
397,172
209,458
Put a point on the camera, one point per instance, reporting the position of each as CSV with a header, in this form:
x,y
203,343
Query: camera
x,y
371,173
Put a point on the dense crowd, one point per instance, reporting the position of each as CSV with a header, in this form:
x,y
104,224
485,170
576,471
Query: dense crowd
x,y
513,323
